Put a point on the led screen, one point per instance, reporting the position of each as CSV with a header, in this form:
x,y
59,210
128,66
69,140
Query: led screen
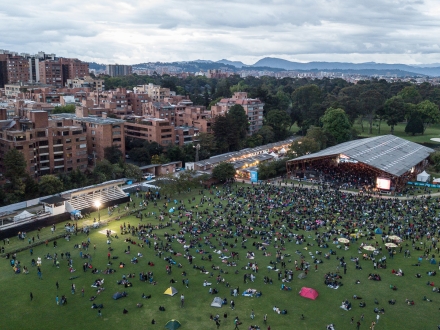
x,y
383,184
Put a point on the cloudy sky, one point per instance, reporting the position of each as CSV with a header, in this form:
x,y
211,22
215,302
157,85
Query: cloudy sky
x,y
129,32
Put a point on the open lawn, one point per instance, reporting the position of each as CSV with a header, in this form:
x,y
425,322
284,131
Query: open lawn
x,y
433,131
19,312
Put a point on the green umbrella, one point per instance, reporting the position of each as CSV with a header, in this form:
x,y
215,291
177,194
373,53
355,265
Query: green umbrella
x,y
172,324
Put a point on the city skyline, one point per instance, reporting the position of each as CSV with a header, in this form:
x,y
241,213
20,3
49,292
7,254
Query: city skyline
x,y
386,31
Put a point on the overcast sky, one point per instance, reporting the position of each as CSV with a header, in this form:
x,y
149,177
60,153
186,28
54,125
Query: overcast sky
x,y
129,32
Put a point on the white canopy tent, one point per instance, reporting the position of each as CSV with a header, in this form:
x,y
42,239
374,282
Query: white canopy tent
x,y
423,177
23,215
217,302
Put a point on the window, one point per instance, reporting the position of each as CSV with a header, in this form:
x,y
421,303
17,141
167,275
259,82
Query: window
x,y
93,132
83,146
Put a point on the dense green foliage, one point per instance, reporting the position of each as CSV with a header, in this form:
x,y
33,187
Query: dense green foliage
x,y
223,172
64,109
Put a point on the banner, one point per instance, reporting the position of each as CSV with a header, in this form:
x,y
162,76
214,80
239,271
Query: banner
x,y
254,176
423,184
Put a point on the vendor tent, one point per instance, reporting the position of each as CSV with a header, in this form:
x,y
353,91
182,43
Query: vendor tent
x,y
23,215
308,293
378,231
423,177
172,325
170,291
217,302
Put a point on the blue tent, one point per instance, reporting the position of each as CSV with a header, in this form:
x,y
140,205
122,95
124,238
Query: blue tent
x,y
171,210
378,231
433,261
119,295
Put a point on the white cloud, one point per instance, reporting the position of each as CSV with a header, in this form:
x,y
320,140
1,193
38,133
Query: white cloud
x,y
403,31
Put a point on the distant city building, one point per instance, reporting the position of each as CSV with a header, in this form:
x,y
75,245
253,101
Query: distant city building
x,y
116,70
26,68
86,81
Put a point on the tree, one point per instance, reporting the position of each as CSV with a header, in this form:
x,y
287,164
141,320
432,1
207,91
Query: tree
x,y
221,127
414,125
132,171
239,119
370,101
70,108
303,146
15,171
267,133
335,122
279,120
318,134
140,156
175,153
50,185
159,159
306,106
223,171
435,160
15,165
103,170
429,113
410,95
113,154
394,110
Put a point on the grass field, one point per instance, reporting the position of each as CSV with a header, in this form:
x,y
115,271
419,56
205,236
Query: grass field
x,y
19,312
433,131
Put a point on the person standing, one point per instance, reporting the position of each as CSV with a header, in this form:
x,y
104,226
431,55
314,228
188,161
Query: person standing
x,y
82,292
265,318
182,300
217,323
57,285
236,323
377,318
57,300
99,313
358,325
252,315
31,296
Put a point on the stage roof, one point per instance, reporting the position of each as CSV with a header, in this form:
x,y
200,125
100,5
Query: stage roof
x,y
387,153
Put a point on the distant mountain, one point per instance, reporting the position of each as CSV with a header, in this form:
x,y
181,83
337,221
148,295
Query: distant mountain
x,y
201,61
329,66
96,66
237,64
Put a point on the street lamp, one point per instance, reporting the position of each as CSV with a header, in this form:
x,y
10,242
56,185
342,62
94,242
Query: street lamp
x,y
98,204
197,147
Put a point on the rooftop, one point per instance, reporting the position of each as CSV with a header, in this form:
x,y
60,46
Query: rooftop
x,y
387,153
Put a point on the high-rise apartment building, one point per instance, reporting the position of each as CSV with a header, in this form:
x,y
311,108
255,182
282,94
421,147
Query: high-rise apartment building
x,y
252,107
49,146
115,70
17,69
51,72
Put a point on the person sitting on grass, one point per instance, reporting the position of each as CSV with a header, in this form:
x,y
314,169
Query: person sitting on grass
x,y
409,302
362,304
124,311
392,301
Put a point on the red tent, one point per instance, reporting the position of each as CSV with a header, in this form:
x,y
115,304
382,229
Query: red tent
x,y
308,293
